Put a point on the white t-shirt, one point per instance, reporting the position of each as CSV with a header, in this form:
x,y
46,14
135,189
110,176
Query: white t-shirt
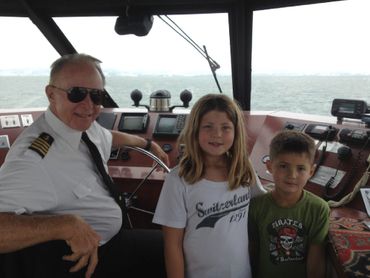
x,y
215,220
64,181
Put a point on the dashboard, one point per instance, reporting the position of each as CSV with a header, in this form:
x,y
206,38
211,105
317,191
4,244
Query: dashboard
x,y
127,165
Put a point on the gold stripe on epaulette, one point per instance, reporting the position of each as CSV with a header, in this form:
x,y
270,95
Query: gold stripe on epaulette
x,y
42,144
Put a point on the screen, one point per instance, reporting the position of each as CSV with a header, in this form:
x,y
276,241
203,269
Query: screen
x,y
319,129
133,123
106,120
166,125
347,108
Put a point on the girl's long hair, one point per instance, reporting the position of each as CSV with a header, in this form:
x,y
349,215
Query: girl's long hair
x,y
191,166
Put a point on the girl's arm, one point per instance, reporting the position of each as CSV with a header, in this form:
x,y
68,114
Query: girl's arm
x,y
173,252
316,261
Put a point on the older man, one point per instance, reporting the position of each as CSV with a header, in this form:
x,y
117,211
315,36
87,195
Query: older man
x,y
56,214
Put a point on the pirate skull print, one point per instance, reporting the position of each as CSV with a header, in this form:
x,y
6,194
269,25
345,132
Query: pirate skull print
x,y
286,241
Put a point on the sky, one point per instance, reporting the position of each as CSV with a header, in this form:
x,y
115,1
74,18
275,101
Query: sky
x,y
328,38
321,39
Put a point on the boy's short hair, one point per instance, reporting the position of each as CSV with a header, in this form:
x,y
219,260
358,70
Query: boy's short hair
x,y
290,141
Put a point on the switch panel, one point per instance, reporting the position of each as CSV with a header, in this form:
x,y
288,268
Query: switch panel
x,y
9,121
27,119
4,142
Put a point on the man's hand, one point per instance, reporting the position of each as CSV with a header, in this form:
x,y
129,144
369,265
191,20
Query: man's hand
x,y
158,151
120,139
84,243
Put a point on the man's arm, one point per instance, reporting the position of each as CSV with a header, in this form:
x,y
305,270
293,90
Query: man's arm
x,y
173,252
121,138
21,231
316,261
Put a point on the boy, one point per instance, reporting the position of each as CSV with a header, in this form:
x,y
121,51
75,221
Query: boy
x,y
288,226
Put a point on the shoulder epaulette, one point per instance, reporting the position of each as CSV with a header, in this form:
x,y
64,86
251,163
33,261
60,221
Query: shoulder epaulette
x,y
42,144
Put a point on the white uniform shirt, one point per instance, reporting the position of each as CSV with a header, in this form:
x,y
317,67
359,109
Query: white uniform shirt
x,y
215,220
65,181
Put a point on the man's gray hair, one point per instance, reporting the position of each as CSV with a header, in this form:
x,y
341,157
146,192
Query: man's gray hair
x,y
59,64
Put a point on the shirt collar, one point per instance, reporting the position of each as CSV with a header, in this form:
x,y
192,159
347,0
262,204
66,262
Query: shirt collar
x,y
72,136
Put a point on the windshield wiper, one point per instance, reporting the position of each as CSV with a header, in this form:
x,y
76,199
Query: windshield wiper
x,y
212,63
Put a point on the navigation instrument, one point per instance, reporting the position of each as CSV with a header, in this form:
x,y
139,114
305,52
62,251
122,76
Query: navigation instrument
x,y
348,108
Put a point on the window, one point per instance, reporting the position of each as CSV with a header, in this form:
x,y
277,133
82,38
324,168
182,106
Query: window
x,y
305,56
160,60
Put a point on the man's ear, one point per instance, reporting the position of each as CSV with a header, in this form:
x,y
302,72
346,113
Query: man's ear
x,y
49,93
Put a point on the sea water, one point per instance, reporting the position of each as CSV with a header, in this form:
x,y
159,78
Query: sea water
x,y
301,94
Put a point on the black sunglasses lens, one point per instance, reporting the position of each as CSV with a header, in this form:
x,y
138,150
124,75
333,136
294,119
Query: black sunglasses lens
x,y
96,97
77,94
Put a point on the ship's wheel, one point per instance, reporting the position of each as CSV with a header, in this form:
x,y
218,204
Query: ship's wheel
x,y
130,197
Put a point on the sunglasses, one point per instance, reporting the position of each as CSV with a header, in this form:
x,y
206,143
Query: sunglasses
x,y
78,94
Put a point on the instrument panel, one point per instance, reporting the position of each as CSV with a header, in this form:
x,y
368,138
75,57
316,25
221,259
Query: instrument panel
x,y
165,127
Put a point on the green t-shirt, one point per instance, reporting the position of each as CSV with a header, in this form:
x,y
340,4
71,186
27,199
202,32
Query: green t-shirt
x,y
283,235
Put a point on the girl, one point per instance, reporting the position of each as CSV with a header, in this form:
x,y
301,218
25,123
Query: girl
x,y
203,206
